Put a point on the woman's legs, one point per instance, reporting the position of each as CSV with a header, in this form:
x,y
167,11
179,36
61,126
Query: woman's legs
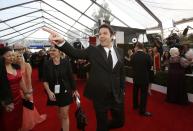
x,y
64,117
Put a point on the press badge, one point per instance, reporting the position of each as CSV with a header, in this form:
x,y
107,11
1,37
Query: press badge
x,y
57,89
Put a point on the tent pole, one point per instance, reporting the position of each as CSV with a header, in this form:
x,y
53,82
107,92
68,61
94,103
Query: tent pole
x,y
153,15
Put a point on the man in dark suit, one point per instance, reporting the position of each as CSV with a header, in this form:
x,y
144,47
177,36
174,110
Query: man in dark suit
x,y
141,64
105,86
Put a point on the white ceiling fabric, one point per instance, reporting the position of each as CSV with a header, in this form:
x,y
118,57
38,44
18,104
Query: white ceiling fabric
x,y
70,17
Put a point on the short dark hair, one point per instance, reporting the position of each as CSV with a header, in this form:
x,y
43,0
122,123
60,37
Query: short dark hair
x,y
139,45
108,27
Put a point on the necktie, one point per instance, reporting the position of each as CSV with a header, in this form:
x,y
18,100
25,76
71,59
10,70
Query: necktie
x,y
110,60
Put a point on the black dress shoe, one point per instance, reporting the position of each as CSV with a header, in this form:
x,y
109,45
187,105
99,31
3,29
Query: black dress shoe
x,y
146,114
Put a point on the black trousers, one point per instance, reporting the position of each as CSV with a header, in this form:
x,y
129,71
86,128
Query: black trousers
x,y
101,111
140,92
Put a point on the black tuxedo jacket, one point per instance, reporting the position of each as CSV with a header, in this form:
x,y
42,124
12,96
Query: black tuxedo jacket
x,y
102,79
141,64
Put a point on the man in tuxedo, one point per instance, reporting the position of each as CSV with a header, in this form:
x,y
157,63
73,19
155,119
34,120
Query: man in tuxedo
x,y
105,85
141,64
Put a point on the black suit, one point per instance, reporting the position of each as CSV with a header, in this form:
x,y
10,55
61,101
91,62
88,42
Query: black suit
x,y
105,85
141,64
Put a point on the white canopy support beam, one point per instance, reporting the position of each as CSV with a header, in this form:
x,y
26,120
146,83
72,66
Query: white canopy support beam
x,y
182,21
153,15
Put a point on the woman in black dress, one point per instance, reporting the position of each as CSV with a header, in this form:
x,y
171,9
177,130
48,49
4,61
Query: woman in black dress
x,y
59,84
176,90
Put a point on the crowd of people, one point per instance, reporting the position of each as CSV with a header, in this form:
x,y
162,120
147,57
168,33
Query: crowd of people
x,y
176,60
105,62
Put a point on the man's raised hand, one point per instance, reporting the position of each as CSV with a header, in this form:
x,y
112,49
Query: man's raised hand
x,y
54,37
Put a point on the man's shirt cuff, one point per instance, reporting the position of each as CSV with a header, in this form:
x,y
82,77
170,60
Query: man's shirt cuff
x,y
60,45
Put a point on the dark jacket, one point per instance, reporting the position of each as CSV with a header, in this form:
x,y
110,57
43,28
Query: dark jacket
x,y
102,79
141,65
65,76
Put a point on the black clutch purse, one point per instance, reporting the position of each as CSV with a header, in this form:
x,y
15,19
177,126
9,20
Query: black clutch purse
x,y
81,119
28,104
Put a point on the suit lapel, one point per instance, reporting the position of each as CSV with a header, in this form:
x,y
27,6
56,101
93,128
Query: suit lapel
x,y
103,53
118,58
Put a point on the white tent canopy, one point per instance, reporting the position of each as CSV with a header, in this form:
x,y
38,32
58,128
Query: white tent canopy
x,y
23,19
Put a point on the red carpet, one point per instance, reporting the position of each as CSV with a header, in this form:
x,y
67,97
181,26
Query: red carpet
x,y
166,117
